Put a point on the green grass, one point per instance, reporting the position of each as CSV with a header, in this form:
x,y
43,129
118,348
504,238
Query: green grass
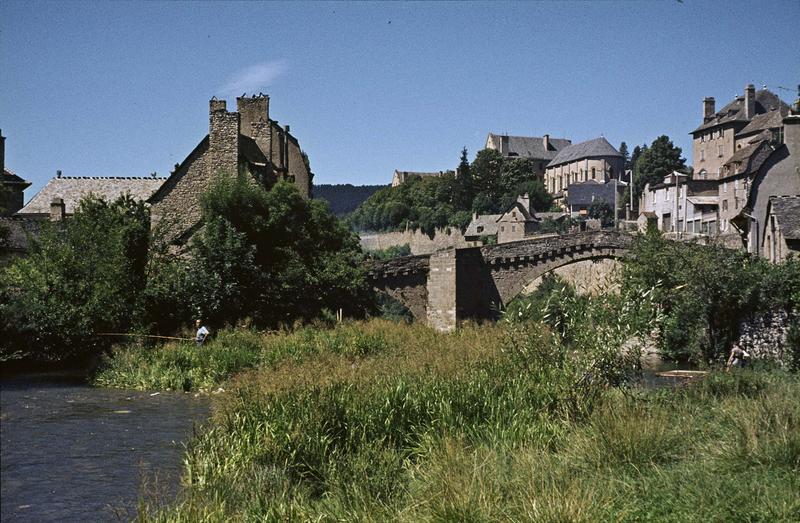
x,y
384,422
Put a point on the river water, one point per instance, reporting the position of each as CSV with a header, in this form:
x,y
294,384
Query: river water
x,y
69,452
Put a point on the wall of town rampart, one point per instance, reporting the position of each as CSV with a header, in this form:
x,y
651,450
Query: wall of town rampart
x,y
419,242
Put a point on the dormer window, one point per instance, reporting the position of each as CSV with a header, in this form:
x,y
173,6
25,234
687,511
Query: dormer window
x,y
480,228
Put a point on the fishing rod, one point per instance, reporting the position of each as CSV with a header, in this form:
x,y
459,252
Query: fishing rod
x,y
143,336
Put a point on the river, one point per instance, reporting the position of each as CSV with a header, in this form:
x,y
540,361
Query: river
x,y
69,452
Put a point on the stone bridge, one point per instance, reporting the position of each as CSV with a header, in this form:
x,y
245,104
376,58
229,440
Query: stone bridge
x,y
451,285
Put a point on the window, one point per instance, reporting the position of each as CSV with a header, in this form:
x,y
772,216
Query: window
x,y
513,228
502,228
721,133
667,197
721,150
724,205
702,154
719,172
480,228
736,183
594,174
703,174
724,186
735,202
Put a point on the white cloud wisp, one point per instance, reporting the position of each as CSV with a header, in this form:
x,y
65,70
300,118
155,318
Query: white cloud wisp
x,y
254,78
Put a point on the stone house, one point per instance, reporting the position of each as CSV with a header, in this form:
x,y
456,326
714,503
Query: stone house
x,y
781,228
772,169
595,160
482,226
539,150
12,196
681,204
246,140
724,132
401,177
517,222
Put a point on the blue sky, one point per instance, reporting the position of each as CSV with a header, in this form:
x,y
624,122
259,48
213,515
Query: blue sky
x,y
122,89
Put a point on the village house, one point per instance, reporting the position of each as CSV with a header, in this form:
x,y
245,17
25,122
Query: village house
x,y
782,228
681,204
517,222
400,177
539,150
595,160
246,140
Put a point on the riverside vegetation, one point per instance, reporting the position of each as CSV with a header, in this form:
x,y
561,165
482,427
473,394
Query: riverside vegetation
x,y
536,418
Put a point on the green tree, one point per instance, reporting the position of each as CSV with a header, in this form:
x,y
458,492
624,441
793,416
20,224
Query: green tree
x,y
623,150
83,277
655,163
601,210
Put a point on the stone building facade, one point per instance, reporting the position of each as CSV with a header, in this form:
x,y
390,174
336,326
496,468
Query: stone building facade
x,y
401,177
539,150
595,160
246,140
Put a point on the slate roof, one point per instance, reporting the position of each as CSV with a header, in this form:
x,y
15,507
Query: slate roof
x,y
787,211
72,188
703,200
532,146
249,149
750,158
487,221
583,193
10,177
765,101
588,149
768,120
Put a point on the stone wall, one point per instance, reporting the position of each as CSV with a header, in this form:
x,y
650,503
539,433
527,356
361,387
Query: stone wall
x,y
442,285
419,242
765,336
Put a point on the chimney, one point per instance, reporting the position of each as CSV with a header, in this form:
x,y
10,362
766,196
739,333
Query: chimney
x,y
504,145
57,210
58,173
2,153
525,200
223,139
286,149
749,101
252,110
791,134
546,142
708,108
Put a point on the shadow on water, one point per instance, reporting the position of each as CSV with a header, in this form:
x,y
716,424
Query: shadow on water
x,y
71,452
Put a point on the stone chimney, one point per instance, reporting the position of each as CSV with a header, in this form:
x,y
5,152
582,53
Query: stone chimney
x,y
58,173
546,142
254,116
58,210
504,145
750,101
708,108
223,139
525,200
791,134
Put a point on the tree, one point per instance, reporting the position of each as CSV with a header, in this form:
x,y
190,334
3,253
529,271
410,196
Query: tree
x,y
601,210
623,150
487,169
463,185
82,277
655,163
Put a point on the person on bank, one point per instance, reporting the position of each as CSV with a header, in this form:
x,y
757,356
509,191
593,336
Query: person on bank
x,y
202,332
738,358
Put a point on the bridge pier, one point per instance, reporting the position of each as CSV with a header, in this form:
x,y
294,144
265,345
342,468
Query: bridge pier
x,y
442,287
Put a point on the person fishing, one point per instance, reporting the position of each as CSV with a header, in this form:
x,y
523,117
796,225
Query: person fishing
x,y
738,358
202,332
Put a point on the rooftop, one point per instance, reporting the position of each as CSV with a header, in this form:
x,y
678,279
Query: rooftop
x,y
588,149
73,188
532,146
765,101
787,211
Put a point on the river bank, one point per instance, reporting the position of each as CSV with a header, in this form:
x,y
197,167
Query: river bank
x,y
71,452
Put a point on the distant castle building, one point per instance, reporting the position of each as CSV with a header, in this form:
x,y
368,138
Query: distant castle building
x,y
540,150
401,177
243,141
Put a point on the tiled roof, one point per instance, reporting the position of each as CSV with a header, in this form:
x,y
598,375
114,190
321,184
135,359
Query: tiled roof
x,y
749,158
787,211
487,221
735,111
532,146
73,189
588,149
10,177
